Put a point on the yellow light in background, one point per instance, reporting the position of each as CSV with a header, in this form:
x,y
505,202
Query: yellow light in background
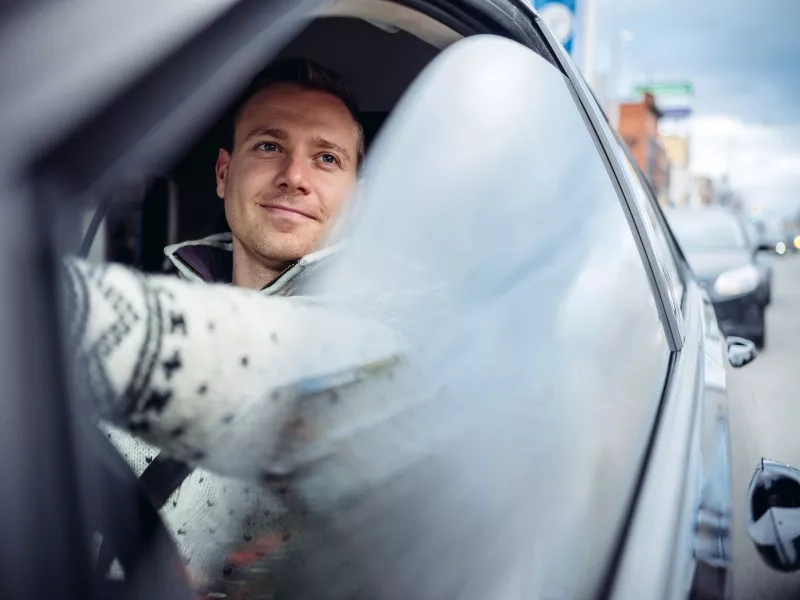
x,y
797,242
780,248
756,210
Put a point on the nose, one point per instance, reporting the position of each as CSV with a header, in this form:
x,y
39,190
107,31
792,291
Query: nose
x,y
293,178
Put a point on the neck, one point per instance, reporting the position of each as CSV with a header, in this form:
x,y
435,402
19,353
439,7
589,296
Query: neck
x,y
252,272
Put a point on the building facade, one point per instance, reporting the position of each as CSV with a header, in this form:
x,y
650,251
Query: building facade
x,y
638,126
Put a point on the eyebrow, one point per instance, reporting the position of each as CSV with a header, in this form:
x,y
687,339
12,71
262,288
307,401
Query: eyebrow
x,y
276,132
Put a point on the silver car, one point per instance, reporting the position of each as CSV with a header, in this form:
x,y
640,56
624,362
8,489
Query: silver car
x,y
501,229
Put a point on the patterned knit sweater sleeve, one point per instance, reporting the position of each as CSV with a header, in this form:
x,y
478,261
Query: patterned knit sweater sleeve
x,y
210,374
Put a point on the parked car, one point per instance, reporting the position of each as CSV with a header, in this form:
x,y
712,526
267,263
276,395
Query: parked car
x,y
502,230
778,239
723,258
776,242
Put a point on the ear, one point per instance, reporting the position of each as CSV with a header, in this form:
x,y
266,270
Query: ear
x,y
221,169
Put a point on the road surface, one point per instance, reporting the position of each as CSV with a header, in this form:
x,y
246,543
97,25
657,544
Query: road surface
x,y
774,382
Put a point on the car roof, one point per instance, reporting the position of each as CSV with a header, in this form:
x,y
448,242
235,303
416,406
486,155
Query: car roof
x,y
81,57
78,55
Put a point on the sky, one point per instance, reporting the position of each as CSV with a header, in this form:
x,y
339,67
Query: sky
x,y
744,61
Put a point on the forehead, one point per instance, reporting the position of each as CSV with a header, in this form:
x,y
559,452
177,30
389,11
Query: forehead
x,y
299,111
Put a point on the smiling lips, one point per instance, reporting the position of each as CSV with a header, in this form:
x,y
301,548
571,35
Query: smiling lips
x,y
286,211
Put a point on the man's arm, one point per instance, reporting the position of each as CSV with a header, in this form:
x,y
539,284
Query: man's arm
x,y
210,374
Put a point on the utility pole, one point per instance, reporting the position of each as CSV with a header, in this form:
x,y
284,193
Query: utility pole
x,y
589,41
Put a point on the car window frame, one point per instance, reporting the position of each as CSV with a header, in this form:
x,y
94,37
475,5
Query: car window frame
x,y
661,221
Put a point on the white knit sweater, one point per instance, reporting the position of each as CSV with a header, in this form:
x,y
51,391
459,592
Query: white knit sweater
x,y
215,376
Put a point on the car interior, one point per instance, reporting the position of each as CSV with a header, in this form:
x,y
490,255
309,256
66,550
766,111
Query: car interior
x,y
376,47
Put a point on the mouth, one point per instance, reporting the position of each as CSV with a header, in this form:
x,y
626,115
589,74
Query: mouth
x,y
286,211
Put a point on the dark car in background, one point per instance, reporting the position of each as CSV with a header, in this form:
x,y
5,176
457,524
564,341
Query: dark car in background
x,y
775,241
763,260
723,257
778,237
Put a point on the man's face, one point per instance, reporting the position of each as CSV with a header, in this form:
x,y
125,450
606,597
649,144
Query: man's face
x,y
292,165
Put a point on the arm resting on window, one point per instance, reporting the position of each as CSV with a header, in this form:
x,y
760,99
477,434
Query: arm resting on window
x,y
208,373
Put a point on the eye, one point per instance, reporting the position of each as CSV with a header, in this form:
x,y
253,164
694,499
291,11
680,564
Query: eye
x,y
267,147
329,159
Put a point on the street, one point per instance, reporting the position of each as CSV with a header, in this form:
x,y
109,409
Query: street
x,y
774,376
772,381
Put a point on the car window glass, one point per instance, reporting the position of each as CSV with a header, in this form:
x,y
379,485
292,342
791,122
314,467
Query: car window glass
x,y
97,251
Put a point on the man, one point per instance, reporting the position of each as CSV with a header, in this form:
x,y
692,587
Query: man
x,y
291,160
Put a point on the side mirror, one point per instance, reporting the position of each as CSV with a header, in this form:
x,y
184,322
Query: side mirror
x,y
740,351
773,514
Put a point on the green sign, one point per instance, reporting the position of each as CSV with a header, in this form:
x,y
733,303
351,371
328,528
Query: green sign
x,y
665,89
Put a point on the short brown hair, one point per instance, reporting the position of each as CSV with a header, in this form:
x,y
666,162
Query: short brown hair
x,y
305,73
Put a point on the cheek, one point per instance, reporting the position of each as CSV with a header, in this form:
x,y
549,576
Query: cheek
x,y
250,178
335,192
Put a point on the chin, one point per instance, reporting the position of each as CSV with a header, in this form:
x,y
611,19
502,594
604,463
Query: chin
x,y
285,253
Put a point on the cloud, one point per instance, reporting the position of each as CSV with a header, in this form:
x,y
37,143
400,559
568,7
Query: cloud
x,y
761,165
742,58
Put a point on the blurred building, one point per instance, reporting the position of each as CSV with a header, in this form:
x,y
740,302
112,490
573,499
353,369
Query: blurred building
x,y
677,149
705,189
680,175
726,196
638,126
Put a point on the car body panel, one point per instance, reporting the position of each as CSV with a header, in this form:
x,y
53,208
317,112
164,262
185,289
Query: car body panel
x,y
680,490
